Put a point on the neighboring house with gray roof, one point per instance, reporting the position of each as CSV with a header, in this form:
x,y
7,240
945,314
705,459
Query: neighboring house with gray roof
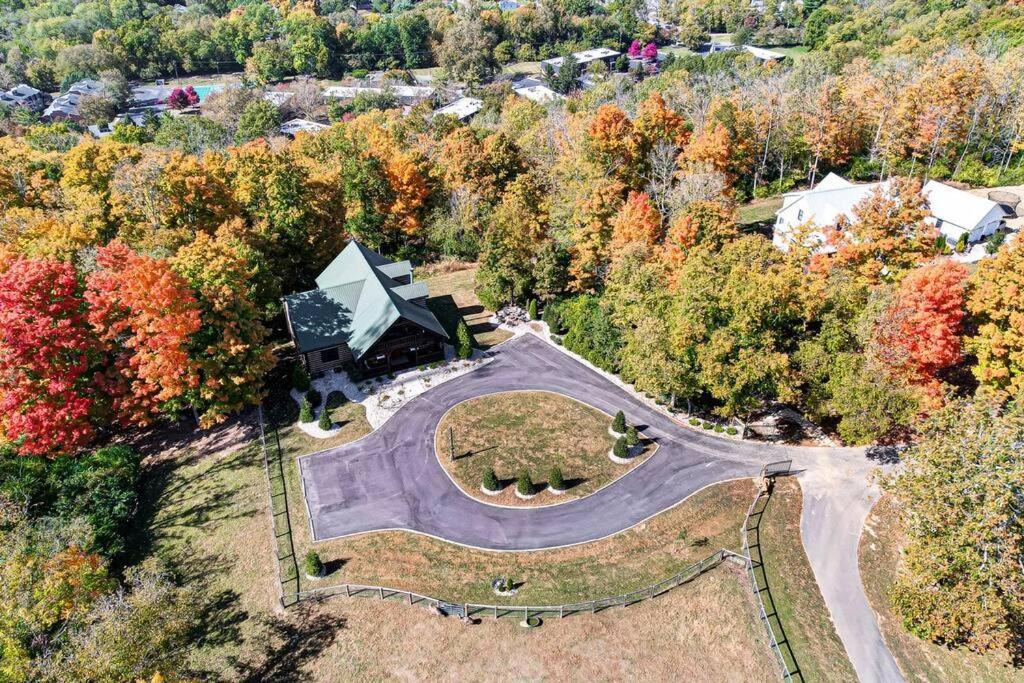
x,y
366,314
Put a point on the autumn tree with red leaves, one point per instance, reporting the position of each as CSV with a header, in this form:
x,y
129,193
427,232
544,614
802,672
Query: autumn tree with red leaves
x,y
145,314
46,351
919,333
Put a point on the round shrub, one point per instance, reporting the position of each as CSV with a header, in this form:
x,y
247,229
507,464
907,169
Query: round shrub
x,y
555,479
708,425
694,422
314,398
305,411
313,565
300,378
619,423
632,436
731,431
335,399
325,422
620,449
491,480
524,484
719,429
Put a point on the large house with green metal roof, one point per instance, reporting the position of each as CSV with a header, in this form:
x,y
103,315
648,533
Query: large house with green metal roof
x,y
366,314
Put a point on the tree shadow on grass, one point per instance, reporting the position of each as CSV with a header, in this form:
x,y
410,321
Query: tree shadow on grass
x,y
290,643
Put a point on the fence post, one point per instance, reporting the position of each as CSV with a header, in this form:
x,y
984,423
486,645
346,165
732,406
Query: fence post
x,y
495,611
348,593
561,611
410,598
380,589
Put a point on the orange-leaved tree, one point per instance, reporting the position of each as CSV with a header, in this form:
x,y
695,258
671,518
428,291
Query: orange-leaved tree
x,y
918,335
145,315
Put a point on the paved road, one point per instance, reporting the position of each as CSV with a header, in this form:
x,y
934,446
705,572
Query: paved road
x,y
835,508
391,479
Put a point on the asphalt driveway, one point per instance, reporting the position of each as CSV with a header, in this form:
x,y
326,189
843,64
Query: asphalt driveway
x,y
391,479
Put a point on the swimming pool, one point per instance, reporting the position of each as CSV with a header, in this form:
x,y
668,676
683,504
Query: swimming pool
x,y
204,90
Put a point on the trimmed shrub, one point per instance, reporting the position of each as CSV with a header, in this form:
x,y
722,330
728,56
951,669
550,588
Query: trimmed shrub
x,y
731,431
524,484
300,378
620,450
555,479
719,428
619,423
531,309
325,421
550,316
491,482
694,422
632,436
708,425
305,411
335,399
314,398
463,341
313,565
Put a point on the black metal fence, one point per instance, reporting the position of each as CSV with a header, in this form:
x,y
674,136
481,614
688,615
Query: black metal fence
x,y
273,467
788,666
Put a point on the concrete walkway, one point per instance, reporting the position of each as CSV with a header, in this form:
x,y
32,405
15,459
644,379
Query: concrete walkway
x,y
391,479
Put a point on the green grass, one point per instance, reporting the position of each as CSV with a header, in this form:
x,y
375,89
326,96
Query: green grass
x,y
452,298
758,212
792,50
801,611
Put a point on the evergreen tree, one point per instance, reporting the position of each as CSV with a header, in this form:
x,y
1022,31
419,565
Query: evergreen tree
x,y
463,341
555,479
305,411
524,485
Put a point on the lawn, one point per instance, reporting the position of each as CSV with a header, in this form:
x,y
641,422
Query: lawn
x,y
452,298
758,214
919,660
805,620
532,431
793,51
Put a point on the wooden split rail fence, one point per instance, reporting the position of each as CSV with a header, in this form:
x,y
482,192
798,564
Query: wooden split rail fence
x,y
523,611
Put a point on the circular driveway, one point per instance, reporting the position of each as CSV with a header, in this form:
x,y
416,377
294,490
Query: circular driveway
x,y
391,479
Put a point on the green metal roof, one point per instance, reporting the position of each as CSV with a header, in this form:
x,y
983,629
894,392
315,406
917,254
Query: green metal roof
x,y
356,302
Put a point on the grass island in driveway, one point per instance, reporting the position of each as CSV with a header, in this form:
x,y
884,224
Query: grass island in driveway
x,y
532,431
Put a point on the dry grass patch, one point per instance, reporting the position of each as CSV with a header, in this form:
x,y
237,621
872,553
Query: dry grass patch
x,y
820,654
452,298
919,660
704,630
535,431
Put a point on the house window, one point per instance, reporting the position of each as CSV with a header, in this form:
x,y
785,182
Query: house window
x,y
329,355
